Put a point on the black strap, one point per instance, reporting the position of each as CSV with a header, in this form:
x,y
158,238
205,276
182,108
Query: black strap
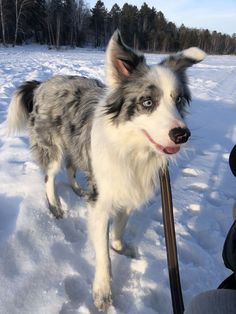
x,y
232,160
229,283
169,228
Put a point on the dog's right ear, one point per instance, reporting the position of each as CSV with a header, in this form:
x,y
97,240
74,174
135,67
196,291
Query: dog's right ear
x,y
121,60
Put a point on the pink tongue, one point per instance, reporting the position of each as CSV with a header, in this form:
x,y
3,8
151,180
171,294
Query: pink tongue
x,y
171,150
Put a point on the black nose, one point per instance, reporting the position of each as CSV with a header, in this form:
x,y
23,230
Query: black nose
x,y
179,135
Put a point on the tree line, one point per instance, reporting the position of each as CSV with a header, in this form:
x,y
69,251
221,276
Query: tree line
x,y
72,23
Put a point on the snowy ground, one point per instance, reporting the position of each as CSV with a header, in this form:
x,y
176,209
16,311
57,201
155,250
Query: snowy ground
x,y
46,266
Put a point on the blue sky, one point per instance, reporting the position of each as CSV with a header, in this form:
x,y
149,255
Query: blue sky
x,y
219,15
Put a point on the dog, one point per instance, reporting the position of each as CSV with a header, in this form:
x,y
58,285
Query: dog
x,y
120,135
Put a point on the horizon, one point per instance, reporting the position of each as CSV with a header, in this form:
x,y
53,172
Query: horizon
x,y
191,13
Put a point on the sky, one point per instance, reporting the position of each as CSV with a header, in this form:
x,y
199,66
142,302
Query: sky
x,y
219,15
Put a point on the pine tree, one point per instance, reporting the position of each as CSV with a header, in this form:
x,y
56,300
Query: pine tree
x,y
129,24
115,17
146,25
36,21
83,17
98,23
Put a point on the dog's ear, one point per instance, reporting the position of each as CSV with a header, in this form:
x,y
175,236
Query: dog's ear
x,y
184,59
121,60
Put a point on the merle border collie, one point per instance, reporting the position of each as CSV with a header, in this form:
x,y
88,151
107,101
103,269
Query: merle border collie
x,y
119,134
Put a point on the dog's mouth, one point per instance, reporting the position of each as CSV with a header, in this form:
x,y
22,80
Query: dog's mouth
x,y
169,150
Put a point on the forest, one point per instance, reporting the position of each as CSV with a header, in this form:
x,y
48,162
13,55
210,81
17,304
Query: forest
x,y
73,23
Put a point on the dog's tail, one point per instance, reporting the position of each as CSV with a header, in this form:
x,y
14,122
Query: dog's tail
x,y
20,107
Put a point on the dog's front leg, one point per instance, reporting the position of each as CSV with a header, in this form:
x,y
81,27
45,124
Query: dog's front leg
x,y
118,227
98,227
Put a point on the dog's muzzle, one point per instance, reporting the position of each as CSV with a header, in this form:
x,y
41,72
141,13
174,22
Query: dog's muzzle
x,y
179,135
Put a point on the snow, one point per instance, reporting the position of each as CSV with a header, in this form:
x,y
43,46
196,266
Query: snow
x,y
47,266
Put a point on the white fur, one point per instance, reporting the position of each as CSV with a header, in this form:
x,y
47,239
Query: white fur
x,y
17,115
50,184
111,80
126,166
118,227
126,153
194,53
126,177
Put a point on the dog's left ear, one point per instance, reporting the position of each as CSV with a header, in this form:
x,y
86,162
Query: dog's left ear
x,y
184,59
121,60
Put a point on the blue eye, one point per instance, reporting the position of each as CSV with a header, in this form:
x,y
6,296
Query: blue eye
x,y
147,103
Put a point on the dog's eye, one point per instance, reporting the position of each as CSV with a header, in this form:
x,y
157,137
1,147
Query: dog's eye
x,y
147,103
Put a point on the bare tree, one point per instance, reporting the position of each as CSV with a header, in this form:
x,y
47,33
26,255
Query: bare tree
x,y
21,7
83,20
54,21
58,30
2,22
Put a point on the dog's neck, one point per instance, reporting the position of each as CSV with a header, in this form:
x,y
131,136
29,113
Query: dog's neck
x,y
130,164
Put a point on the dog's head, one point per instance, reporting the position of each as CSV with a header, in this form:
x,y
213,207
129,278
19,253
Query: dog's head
x,y
150,99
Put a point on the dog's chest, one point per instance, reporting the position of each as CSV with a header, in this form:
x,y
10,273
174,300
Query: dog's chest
x,y
139,179
125,169
128,182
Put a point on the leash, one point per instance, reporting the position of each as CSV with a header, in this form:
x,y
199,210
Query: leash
x,y
170,239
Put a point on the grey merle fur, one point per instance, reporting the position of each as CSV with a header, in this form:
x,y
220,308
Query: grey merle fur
x,y
61,109
105,133
61,120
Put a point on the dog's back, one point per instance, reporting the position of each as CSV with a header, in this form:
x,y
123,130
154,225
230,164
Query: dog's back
x,y
62,116
58,113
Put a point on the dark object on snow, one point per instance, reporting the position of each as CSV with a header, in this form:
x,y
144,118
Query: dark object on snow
x,y
229,257
232,160
228,283
170,238
229,250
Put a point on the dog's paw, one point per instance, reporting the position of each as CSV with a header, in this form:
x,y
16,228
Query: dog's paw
x,y
102,302
56,210
78,191
102,297
125,249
